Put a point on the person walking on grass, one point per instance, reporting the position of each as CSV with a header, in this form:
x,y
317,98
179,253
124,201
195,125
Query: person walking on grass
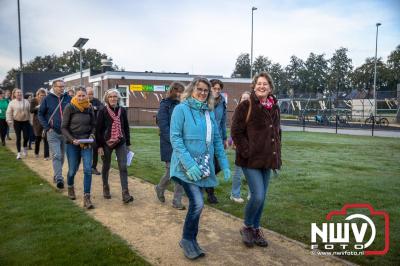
x,y
195,138
164,114
112,133
37,127
237,173
3,121
96,105
256,133
50,116
78,125
220,117
18,115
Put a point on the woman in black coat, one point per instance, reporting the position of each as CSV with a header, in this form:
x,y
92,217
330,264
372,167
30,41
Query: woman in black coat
x,y
112,133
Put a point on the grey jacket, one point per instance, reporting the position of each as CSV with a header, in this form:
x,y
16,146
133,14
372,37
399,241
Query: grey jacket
x,y
77,124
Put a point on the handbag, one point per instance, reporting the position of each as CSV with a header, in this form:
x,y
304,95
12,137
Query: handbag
x,y
203,160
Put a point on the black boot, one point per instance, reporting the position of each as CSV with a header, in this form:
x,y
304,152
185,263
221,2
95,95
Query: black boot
x,y
211,198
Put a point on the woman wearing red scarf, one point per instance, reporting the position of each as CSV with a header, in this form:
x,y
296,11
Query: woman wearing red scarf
x,y
112,133
257,135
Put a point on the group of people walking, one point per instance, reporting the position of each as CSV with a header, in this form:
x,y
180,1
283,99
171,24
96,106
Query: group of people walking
x,y
193,143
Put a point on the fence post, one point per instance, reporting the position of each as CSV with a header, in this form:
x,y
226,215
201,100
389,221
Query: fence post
x,y
373,124
337,118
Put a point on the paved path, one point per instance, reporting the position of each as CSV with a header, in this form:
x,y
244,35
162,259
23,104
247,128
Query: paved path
x,y
153,229
358,132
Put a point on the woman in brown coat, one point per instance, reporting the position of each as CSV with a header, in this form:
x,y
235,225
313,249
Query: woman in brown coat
x,y
256,133
37,127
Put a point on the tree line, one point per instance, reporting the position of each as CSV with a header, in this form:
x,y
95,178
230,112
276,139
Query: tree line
x,y
320,75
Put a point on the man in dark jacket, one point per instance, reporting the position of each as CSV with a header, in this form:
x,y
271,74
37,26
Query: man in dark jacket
x,y
164,114
96,105
50,117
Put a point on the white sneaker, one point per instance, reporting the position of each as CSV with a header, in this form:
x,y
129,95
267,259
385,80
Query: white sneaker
x,y
237,200
24,152
248,196
18,156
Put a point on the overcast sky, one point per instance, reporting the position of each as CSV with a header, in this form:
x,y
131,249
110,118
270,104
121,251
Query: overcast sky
x,y
200,37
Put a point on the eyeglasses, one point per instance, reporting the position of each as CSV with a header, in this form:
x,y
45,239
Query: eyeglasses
x,y
205,91
112,96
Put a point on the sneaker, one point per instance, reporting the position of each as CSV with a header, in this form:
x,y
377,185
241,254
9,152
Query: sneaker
x,y
248,196
178,206
259,238
247,236
46,158
95,172
237,200
60,184
159,193
18,156
188,249
71,193
24,152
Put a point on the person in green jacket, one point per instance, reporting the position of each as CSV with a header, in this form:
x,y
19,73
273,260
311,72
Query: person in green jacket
x,y
3,122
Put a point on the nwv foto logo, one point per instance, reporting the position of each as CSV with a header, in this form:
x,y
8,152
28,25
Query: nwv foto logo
x,y
336,235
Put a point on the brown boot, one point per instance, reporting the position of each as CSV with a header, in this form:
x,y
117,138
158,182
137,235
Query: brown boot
x,y
106,192
126,197
71,193
86,201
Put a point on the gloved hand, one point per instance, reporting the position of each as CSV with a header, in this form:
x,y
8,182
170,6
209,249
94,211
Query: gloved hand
x,y
227,174
194,173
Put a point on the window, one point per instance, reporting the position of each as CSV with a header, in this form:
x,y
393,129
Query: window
x,y
124,91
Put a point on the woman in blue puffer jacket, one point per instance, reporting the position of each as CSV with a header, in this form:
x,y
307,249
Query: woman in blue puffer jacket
x,y
195,138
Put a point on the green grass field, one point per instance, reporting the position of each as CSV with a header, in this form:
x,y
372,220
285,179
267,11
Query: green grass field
x,y
321,172
39,226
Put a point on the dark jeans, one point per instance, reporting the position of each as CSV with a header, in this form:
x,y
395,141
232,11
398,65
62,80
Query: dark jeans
x,y
121,153
21,126
74,155
31,135
46,146
95,155
3,129
196,204
258,180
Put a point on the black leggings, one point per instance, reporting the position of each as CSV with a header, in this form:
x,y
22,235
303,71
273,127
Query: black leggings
x,y
21,126
3,129
46,146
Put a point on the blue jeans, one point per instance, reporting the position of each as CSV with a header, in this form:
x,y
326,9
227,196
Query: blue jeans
x,y
196,204
74,155
57,147
236,181
258,180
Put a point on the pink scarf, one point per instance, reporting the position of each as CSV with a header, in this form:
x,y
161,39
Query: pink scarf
x,y
268,103
116,131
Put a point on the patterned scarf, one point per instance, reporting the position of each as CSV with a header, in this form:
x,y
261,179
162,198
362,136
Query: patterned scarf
x,y
116,131
81,105
268,103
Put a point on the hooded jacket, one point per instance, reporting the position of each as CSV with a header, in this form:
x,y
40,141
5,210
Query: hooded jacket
x,y
188,138
47,107
220,116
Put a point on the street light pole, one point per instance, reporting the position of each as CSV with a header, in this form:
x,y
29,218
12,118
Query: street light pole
x,y
79,45
376,51
251,56
21,80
